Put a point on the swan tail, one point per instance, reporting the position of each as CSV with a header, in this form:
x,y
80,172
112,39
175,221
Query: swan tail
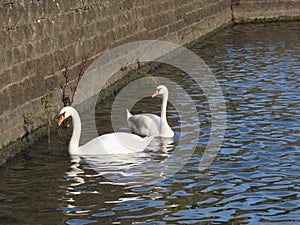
x,y
128,114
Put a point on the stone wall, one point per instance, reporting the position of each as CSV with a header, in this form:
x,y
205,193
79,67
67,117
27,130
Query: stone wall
x,y
262,10
38,38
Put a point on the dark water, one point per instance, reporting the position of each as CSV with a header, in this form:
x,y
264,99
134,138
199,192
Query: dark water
x,y
253,180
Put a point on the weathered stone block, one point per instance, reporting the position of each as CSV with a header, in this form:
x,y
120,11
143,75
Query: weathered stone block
x,y
8,58
36,10
9,41
30,67
37,30
5,101
87,48
91,14
99,44
22,11
18,55
126,4
3,40
69,53
13,15
17,36
38,82
5,11
50,7
77,51
66,21
15,97
28,94
48,27
5,78
28,48
44,66
64,5
59,59
16,73
102,26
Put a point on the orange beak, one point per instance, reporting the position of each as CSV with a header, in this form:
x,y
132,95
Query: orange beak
x,y
155,94
60,120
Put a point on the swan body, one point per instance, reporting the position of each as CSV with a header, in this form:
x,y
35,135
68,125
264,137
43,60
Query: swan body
x,y
144,124
149,124
112,143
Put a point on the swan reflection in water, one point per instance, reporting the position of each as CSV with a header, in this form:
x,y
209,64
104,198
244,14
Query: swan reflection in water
x,y
129,170
124,169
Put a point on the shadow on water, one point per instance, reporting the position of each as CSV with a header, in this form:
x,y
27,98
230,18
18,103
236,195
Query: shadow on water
x,y
253,180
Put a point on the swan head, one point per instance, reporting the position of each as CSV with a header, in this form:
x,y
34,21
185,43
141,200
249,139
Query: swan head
x,y
160,90
64,114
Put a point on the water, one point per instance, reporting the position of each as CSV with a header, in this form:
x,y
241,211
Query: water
x,y
253,180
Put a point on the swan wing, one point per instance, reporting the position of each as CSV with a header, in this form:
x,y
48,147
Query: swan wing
x,y
145,124
115,143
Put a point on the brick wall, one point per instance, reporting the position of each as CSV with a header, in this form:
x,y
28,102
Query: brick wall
x,y
39,37
257,10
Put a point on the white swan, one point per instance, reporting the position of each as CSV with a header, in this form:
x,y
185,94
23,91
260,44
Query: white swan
x,y
112,143
149,124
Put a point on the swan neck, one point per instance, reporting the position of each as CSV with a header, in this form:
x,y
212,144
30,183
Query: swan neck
x,y
74,142
163,114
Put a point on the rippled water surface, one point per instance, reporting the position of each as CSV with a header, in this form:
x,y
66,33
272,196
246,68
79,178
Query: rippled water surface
x,y
253,180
